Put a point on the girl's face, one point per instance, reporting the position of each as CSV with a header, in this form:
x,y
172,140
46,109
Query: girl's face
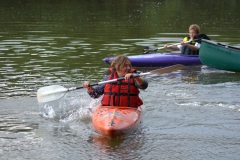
x,y
125,69
192,34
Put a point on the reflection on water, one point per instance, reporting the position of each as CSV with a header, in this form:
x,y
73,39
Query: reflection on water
x,y
207,76
109,147
29,63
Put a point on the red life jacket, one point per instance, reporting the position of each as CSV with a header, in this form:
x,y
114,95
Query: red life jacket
x,y
121,93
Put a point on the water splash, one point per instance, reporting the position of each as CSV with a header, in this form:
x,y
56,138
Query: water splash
x,y
71,108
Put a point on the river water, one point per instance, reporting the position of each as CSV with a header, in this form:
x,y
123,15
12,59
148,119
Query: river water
x,y
192,113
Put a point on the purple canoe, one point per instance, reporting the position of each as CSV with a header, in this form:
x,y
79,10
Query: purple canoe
x,y
160,60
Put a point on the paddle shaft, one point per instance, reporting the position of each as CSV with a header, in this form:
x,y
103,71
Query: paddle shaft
x,y
175,44
157,71
197,38
54,92
171,45
109,81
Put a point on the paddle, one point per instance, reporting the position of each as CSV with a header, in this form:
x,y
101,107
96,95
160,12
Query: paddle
x,y
197,38
54,92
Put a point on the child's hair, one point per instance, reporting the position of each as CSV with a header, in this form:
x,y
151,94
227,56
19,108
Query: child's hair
x,y
195,27
119,62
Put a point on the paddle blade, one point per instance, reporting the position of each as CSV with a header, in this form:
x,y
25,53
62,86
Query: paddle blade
x,y
164,70
50,93
167,69
149,50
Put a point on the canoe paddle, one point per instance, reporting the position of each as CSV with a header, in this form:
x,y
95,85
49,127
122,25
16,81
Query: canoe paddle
x,y
197,38
54,92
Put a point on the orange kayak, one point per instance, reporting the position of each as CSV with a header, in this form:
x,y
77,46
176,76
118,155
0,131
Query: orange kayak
x,y
114,121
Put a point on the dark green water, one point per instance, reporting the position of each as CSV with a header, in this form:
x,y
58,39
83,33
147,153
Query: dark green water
x,y
190,114
45,42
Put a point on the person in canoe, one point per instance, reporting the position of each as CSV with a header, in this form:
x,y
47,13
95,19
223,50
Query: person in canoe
x,y
121,93
190,45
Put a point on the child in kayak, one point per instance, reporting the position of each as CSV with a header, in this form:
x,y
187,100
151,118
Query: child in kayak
x,y
190,45
121,93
